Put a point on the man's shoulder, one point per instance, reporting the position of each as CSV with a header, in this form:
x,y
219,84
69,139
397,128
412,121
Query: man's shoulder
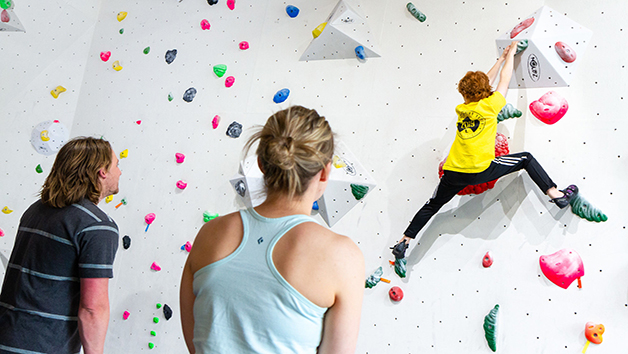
x,y
89,213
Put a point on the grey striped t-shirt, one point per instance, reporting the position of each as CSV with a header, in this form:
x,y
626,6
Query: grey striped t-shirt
x,y
54,248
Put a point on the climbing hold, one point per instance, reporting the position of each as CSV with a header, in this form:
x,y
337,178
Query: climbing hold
x,y
490,328
122,202
359,52
207,216
292,11
521,46
124,154
244,45
155,267
189,94
5,4
44,135
234,130
585,210
170,56
108,199
415,12
487,261
149,218
400,267
562,267
212,2
126,242
156,319
550,108
229,81
215,121
116,66
375,278
187,246
179,157
153,333
359,191
121,31
170,97
521,27
594,332
395,293
6,210
121,15
138,122
509,111
205,25
151,345
55,93
38,169
126,315
104,56
167,312
181,184
565,52
158,306
1,232
231,4
4,16
315,205
220,70
319,29
240,188
146,50
338,162
281,95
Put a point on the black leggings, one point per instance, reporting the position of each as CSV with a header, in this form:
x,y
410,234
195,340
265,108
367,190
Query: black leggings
x,y
453,182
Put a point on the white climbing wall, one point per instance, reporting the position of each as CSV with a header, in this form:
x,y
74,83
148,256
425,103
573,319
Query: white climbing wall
x,y
395,113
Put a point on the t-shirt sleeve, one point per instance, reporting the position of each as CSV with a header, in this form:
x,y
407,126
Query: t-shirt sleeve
x,y
497,101
98,244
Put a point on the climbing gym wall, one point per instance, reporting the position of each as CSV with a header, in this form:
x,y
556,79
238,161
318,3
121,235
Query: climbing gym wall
x,y
394,110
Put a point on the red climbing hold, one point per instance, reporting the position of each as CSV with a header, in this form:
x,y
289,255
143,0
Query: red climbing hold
x,y
487,261
521,27
550,108
395,293
565,52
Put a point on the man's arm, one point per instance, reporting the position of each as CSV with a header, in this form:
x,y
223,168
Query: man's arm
x,y
186,303
93,314
492,73
506,74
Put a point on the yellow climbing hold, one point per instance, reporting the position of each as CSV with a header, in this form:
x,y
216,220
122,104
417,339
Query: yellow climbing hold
x,y
338,162
124,154
44,135
121,16
318,30
6,210
55,93
109,199
117,66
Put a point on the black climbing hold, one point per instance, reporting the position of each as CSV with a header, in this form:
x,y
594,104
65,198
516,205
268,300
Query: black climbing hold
x,y
171,56
234,130
126,242
189,94
212,2
167,312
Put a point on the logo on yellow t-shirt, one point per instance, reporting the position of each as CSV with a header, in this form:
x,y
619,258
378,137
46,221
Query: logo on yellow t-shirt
x,y
470,124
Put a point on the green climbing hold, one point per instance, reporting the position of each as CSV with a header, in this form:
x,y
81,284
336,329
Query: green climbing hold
x,y
509,111
400,267
585,210
153,333
155,319
359,191
39,169
170,97
415,12
521,46
146,50
121,30
207,216
151,345
158,306
5,4
374,278
490,331
220,70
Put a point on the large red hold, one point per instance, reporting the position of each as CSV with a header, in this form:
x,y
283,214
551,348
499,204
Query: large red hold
x,y
550,108
521,27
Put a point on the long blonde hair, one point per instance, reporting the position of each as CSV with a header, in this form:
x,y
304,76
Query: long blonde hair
x,y
294,145
74,174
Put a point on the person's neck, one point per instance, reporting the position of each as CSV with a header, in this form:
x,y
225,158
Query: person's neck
x,y
278,205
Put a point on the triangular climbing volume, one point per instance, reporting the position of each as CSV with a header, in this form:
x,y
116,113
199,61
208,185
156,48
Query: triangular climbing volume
x,y
337,37
8,19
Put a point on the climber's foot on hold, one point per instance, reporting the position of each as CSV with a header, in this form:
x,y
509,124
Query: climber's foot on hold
x,y
568,194
399,250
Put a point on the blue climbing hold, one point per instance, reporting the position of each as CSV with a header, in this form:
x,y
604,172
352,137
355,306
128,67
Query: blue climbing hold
x,y
281,95
292,11
359,52
315,205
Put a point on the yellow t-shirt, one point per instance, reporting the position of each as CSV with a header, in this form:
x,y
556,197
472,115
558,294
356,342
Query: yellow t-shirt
x,y
474,146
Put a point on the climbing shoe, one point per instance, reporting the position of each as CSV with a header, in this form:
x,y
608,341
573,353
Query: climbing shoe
x,y
569,193
399,250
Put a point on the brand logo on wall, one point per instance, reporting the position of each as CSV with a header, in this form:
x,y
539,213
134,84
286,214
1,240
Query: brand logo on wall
x,y
534,68
470,124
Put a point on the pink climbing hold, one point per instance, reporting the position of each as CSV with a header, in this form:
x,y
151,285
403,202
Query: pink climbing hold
x,y
487,261
231,4
1,233
562,267
138,122
215,121
188,246
126,315
521,27
104,56
229,81
244,45
565,52
205,25
155,267
180,157
5,16
149,218
181,184
550,108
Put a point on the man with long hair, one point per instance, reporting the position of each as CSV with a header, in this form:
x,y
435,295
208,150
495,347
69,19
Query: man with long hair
x,y
55,291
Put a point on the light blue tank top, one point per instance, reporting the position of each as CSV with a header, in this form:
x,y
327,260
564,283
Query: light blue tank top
x,y
243,304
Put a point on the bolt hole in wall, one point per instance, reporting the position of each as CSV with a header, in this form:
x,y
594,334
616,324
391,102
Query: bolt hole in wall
x,y
447,291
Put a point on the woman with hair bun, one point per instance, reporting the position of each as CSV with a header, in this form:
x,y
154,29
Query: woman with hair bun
x,y
270,279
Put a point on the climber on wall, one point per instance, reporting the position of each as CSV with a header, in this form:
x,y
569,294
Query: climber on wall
x,y
472,158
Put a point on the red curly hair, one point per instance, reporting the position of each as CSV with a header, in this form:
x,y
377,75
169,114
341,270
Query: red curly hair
x,y
474,86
